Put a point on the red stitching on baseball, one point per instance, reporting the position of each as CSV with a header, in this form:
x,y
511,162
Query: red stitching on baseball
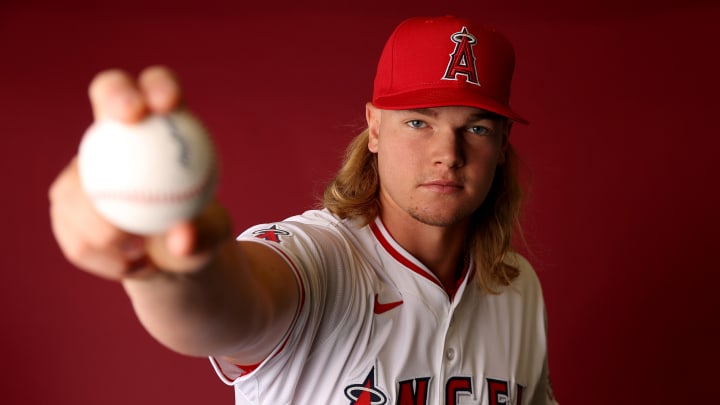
x,y
148,197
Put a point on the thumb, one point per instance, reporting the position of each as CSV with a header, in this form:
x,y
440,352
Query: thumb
x,y
188,246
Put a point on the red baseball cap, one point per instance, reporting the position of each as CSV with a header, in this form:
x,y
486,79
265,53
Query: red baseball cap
x,y
445,61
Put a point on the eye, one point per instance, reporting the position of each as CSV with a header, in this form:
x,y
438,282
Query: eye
x,y
416,124
479,130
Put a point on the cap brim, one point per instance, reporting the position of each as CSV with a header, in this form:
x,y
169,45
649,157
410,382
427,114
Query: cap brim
x,y
428,98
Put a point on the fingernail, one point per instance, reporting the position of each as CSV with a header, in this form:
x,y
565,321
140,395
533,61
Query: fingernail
x,y
125,105
157,96
162,96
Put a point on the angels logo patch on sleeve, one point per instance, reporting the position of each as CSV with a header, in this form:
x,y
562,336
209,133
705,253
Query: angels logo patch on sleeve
x,y
272,233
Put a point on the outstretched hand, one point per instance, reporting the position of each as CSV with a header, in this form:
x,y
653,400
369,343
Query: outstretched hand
x,y
92,243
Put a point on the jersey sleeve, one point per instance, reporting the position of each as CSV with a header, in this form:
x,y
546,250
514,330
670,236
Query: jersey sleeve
x,y
314,250
535,306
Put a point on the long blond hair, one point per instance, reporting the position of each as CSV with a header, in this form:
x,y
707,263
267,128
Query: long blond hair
x,y
354,193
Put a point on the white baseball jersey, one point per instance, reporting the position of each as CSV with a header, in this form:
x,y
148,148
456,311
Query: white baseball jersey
x,y
375,326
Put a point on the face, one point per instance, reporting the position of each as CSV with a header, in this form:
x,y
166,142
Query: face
x,y
436,165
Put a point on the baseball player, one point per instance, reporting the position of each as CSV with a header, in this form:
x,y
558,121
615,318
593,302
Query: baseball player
x,y
403,289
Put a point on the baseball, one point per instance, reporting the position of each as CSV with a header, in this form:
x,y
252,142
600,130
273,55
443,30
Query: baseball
x,y
145,177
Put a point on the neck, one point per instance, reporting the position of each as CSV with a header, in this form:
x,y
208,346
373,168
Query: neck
x,y
440,248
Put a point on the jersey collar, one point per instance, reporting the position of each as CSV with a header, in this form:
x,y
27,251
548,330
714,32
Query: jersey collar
x,y
383,236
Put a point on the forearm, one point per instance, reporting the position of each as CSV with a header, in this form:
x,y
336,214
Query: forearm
x,y
193,287
232,306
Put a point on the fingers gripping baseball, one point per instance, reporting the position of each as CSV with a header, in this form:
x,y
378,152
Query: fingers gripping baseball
x,y
137,195
86,239
114,94
145,163
93,244
161,89
188,246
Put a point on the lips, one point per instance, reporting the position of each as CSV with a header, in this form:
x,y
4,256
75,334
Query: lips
x,y
443,186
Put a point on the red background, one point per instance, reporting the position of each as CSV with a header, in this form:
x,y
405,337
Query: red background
x,y
621,157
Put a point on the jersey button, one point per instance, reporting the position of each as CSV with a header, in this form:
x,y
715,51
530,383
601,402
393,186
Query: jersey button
x,y
450,354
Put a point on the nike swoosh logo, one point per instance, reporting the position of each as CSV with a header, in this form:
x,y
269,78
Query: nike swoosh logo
x,y
381,308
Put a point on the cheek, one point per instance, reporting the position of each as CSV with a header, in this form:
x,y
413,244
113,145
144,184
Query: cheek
x,y
399,156
484,168
492,155
396,165
388,166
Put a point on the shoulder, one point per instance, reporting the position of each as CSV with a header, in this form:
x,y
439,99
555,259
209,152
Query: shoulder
x,y
310,223
316,238
526,284
527,272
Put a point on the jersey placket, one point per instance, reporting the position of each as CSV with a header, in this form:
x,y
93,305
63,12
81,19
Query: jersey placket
x,y
415,279
456,384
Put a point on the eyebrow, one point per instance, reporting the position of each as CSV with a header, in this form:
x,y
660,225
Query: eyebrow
x,y
475,117
423,111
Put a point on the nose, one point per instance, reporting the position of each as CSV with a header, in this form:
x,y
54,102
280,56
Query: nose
x,y
448,149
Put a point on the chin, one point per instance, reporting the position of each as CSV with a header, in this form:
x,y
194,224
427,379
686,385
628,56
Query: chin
x,y
441,217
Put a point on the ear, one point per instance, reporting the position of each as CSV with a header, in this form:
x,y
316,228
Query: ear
x,y
372,116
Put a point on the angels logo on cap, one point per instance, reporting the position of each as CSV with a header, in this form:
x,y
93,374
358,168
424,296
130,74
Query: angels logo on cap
x,y
462,60
445,61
